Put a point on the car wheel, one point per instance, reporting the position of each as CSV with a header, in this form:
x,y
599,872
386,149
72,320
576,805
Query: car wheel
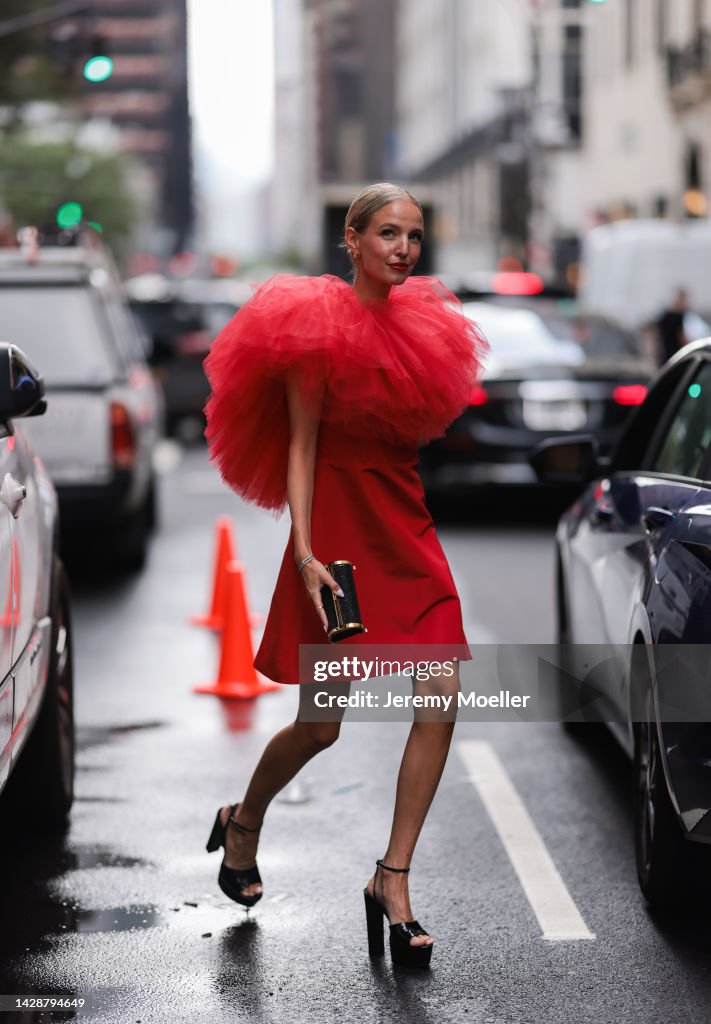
x,y
133,534
152,513
44,776
663,856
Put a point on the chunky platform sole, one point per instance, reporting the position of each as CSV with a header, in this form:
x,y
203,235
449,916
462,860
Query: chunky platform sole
x,y
233,880
401,951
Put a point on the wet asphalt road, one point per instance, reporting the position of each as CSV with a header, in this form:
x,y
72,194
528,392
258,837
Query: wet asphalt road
x,y
125,910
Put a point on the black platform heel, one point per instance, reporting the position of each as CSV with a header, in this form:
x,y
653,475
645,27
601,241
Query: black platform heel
x,y
233,881
401,951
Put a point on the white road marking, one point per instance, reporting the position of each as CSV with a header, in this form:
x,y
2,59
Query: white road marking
x,y
545,890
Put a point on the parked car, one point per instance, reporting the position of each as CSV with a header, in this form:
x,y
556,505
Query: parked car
x,y
182,319
36,675
634,573
547,375
65,307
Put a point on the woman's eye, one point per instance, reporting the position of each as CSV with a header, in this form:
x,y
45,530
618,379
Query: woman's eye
x,y
387,231
416,238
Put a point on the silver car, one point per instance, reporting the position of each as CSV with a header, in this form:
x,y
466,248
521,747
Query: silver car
x,y
36,680
65,307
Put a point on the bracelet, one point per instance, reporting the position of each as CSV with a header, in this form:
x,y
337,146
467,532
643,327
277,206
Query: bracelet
x,y
305,561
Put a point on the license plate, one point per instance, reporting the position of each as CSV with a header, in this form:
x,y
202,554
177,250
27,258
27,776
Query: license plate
x,y
568,414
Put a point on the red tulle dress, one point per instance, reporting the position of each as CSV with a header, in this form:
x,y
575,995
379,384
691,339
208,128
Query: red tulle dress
x,y
387,377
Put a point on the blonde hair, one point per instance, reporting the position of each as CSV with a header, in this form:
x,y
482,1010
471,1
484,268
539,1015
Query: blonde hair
x,y
368,201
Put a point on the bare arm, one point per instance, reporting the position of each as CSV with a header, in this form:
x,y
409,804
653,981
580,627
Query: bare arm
x,y
303,439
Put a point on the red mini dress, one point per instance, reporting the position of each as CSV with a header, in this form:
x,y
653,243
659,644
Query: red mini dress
x,y
386,378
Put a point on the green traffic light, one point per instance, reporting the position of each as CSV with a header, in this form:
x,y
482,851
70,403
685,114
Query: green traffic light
x,y
98,69
694,390
69,215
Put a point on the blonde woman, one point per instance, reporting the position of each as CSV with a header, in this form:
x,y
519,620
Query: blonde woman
x,y
322,392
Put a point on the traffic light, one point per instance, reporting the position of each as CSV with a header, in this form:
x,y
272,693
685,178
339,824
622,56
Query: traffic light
x,y
98,68
69,215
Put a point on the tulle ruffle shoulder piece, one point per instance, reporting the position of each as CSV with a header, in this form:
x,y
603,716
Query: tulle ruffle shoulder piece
x,y
399,370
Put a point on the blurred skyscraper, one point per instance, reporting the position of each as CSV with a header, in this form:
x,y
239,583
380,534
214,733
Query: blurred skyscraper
x,y
335,83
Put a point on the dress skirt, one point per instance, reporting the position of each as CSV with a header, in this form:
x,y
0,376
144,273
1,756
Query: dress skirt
x,y
369,508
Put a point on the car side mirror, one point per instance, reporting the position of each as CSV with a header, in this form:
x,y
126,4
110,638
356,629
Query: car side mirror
x,y
569,460
21,386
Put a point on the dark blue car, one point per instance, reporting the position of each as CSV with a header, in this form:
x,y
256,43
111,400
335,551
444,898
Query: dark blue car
x,y
634,574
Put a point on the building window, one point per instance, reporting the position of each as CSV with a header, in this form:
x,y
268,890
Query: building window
x,y
660,206
571,66
661,24
630,22
698,16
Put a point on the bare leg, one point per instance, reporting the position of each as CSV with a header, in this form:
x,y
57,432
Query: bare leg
x,y
283,757
421,768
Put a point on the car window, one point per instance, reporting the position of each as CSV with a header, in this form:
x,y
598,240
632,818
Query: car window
x,y
597,338
60,329
518,335
126,340
688,435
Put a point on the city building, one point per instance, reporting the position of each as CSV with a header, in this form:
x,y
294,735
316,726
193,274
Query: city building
x,y
648,110
463,76
335,82
293,200
489,114
144,96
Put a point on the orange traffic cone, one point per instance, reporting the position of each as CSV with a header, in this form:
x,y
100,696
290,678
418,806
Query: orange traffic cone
x,y
237,676
225,552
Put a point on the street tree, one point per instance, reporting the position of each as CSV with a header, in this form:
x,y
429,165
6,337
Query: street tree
x,y
38,179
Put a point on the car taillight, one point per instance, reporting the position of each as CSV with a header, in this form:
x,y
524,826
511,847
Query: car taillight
x,y
513,282
123,438
629,394
478,395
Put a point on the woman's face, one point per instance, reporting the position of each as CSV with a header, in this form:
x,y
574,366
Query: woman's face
x,y
389,248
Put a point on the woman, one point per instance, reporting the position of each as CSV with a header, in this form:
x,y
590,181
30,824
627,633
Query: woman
x,y
321,394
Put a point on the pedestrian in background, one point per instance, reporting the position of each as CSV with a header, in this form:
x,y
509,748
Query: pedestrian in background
x,y
322,392
670,326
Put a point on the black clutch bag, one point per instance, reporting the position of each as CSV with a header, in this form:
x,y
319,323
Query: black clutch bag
x,y
342,613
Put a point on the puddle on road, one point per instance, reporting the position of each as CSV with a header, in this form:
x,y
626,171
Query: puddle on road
x,y
119,919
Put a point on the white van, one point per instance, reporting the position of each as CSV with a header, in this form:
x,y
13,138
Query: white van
x,y
631,268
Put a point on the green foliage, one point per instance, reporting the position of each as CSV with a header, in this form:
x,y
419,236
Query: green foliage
x,y
34,63
37,178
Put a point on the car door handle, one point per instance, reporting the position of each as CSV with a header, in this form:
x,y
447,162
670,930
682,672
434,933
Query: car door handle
x,y
654,518
12,494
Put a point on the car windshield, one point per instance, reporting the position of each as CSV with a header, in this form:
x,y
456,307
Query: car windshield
x,y
598,338
60,329
518,336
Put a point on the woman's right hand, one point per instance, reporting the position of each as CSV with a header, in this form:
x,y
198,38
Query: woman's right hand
x,y
315,575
